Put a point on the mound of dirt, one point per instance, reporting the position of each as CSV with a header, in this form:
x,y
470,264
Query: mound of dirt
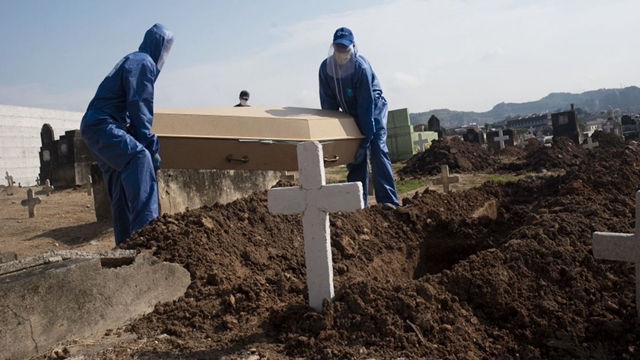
x,y
504,270
459,155
563,154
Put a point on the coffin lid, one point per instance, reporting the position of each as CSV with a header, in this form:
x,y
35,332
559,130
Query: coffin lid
x,y
264,123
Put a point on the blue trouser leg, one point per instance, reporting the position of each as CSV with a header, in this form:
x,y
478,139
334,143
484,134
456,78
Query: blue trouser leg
x,y
383,183
128,171
360,173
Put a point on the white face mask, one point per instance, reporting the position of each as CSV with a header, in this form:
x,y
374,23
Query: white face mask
x,y
243,102
343,57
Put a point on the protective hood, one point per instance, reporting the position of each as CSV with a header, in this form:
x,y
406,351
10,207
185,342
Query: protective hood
x,y
157,44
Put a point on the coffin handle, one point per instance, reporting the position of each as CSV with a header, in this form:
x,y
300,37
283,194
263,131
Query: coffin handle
x,y
244,159
335,158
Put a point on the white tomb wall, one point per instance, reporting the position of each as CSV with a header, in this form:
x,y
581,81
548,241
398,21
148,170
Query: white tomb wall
x,y
20,138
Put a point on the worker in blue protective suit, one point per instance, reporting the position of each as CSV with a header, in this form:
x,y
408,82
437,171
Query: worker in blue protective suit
x,y
348,83
117,130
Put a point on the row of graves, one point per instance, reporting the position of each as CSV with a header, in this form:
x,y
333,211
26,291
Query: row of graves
x,y
563,124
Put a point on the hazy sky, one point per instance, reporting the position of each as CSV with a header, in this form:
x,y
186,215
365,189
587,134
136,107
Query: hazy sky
x,y
429,54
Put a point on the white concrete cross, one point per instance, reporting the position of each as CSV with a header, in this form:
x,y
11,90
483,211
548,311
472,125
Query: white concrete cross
x,y
47,188
316,200
621,247
531,130
9,179
590,144
607,127
445,179
501,138
421,142
31,203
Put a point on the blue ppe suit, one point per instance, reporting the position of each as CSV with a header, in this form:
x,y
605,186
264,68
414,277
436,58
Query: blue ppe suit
x,y
355,89
117,130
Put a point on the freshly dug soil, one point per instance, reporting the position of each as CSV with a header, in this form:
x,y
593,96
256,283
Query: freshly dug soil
x,y
460,156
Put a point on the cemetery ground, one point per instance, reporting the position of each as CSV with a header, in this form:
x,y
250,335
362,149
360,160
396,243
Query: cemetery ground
x,y
497,269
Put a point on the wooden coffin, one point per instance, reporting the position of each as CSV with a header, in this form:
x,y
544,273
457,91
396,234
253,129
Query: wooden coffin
x,y
251,138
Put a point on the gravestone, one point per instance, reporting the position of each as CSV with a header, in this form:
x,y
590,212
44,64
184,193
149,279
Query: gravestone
x,y
31,203
315,200
613,126
9,179
433,124
566,124
590,144
498,140
47,188
445,180
621,247
474,136
38,181
66,162
421,142
48,152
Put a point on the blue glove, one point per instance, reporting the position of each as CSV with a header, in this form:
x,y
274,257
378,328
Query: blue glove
x,y
156,162
360,155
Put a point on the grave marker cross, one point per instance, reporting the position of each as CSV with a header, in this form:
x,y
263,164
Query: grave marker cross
x,y
31,203
590,144
315,200
445,179
421,142
501,138
47,188
607,127
9,179
621,247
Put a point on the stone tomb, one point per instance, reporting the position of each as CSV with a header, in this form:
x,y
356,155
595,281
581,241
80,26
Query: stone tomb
x,y
475,136
252,138
566,124
65,162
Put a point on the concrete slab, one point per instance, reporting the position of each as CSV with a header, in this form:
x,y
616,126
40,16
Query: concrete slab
x,y
115,257
80,299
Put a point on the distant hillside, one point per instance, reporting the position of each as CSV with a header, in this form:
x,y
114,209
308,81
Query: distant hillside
x,y
591,101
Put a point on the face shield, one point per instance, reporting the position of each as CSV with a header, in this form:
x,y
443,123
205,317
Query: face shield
x,y
166,49
340,65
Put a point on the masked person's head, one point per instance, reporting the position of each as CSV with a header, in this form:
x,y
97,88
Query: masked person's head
x,y
343,45
244,97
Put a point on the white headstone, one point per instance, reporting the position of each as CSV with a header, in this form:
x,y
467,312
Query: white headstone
x,y
590,144
445,179
47,188
421,142
316,200
621,247
501,138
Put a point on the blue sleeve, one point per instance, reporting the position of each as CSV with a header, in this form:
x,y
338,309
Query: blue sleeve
x,y
327,95
364,94
139,78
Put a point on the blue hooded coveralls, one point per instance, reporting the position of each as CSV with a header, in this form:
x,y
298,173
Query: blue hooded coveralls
x,y
125,98
357,92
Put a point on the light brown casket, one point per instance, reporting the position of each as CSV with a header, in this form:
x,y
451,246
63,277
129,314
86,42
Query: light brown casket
x,y
251,138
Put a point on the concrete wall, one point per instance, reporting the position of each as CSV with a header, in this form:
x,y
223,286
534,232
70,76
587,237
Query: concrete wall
x,y
20,139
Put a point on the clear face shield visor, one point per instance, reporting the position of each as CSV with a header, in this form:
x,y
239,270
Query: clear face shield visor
x,y
166,49
341,53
